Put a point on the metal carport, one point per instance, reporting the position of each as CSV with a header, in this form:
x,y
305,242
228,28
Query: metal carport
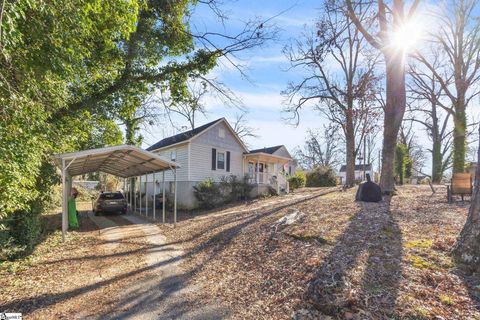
x,y
124,161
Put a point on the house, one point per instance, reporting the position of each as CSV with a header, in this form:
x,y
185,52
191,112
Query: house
x,y
359,171
214,151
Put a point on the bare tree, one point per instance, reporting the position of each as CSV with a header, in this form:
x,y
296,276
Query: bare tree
x,y
136,112
415,150
187,107
429,109
390,21
345,96
458,39
320,149
241,127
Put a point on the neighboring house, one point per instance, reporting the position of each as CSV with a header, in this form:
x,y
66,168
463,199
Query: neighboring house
x,y
358,172
214,151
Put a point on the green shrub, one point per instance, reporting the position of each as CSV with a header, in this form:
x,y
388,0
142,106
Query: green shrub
x,y
20,233
321,176
207,193
211,194
239,188
297,181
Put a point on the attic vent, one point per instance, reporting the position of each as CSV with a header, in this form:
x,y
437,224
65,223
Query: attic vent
x,y
221,133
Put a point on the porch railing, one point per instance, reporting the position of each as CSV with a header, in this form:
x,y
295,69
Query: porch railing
x,y
277,180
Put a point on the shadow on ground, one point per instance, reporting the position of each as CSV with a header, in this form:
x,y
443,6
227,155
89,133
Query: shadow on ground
x,y
146,295
364,267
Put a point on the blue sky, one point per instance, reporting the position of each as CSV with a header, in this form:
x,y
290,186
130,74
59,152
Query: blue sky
x,y
266,70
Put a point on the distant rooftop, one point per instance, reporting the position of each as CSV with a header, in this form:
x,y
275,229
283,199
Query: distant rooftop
x,y
358,167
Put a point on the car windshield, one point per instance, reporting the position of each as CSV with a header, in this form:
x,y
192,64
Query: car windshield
x,y
111,196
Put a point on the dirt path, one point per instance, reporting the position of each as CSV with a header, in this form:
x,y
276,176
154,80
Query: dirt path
x,y
161,292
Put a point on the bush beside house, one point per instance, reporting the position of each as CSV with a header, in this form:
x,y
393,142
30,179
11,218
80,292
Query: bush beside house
x,y
298,180
230,189
321,176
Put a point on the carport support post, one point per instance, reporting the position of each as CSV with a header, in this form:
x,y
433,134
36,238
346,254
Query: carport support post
x,y
146,195
131,194
154,193
175,201
135,195
140,193
64,202
163,198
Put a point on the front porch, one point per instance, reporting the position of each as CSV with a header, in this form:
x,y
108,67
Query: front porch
x,y
266,170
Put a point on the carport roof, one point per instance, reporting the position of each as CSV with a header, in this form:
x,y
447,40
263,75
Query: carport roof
x,y
123,161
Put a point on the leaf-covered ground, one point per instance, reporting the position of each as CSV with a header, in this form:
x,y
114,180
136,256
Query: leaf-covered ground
x,y
76,279
345,260
342,260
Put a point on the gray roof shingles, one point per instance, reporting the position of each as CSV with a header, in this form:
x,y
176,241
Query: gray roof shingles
x,y
184,136
269,150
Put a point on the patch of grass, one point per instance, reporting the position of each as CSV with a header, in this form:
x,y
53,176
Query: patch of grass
x,y
421,313
446,262
446,300
305,236
420,244
420,263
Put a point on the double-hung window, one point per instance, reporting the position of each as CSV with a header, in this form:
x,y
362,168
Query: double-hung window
x,y
221,160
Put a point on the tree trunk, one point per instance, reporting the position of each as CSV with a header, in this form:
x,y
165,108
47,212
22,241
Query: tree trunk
x,y
459,136
437,156
467,248
437,162
350,142
393,116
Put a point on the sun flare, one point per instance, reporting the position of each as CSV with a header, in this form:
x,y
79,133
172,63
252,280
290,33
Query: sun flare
x,y
407,36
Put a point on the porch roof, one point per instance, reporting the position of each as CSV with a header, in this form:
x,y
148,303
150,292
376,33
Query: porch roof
x,y
262,156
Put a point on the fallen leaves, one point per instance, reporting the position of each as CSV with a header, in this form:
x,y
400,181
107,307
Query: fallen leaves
x,y
351,260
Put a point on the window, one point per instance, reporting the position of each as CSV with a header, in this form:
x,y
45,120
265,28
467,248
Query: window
x,y
221,133
111,196
220,160
173,155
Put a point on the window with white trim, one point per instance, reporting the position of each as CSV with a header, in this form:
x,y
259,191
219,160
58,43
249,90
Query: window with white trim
x,y
221,160
173,156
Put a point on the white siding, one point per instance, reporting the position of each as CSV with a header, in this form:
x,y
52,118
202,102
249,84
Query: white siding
x,y
201,153
182,160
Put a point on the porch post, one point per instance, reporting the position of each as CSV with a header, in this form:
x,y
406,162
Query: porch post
x,y
163,197
257,170
154,195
